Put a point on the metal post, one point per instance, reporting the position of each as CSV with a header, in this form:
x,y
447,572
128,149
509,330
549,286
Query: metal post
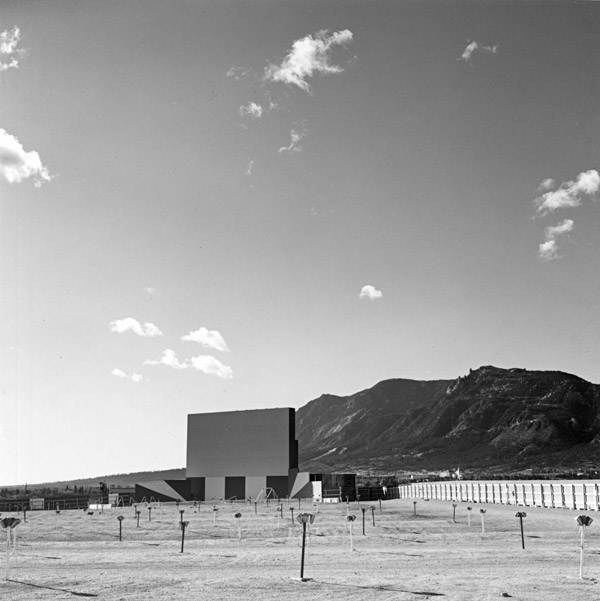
x,y
583,521
582,528
120,518
521,515
7,550
182,525
303,547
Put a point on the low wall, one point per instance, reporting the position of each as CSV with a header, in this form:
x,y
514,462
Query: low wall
x,y
566,494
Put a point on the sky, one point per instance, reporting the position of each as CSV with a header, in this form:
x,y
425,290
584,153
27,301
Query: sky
x,y
216,205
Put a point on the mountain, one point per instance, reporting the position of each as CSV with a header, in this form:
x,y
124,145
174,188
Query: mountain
x,y
492,418
115,480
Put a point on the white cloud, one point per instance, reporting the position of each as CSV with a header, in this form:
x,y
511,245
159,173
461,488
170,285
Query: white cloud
x,y
253,109
9,53
147,329
548,250
16,164
474,47
151,291
546,184
121,374
209,365
208,338
249,167
296,136
204,363
169,359
370,292
569,194
308,56
236,73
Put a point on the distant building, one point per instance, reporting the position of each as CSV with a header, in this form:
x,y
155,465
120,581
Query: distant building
x,y
237,455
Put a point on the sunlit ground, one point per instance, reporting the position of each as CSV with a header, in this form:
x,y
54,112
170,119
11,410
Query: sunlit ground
x,y
402,556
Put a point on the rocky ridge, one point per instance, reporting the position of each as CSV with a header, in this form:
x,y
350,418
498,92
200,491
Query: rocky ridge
x,y
508,418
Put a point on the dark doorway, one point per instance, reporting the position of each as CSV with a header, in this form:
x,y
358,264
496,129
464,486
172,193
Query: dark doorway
x,y
235,487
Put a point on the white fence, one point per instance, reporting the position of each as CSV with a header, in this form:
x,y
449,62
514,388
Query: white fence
x,y
566,494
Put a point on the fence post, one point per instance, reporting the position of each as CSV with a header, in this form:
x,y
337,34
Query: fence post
x,y
542,494
524,494
573,497
596,496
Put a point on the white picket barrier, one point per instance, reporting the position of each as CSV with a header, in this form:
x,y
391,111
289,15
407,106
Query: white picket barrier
x,y
565,494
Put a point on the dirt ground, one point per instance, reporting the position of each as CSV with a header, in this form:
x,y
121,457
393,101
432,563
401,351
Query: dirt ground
x,y
403,556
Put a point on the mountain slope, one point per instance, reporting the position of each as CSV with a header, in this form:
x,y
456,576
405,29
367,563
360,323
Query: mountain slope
x,y
507,417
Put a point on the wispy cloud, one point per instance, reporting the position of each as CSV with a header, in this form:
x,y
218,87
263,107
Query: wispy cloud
x,y
476,47
9,53
249,167
546,184
370,292
236,73
548,250
151,291
569,194
204,363
16,164
208,339
146,329
297,134
119,373
253,109
308,56
169,358
209,365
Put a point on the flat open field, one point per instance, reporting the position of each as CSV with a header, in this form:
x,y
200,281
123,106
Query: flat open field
x,y
402,557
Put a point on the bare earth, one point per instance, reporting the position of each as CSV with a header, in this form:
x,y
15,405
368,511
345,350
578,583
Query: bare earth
x,y
70,554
